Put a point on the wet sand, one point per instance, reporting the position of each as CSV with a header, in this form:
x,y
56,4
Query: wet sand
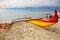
x,y
28,31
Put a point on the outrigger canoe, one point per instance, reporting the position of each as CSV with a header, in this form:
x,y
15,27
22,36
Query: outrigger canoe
x,y
38,21
47,22
41,22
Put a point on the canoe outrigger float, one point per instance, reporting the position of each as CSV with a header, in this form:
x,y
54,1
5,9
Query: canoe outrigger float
x,y
38,21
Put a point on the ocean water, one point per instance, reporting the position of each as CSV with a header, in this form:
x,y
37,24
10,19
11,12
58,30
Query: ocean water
x,y
9,14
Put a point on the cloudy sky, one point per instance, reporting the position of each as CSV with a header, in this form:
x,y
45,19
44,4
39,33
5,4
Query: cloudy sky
x,y
28,3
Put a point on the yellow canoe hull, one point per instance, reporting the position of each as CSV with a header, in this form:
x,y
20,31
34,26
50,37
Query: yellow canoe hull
x,y
39,23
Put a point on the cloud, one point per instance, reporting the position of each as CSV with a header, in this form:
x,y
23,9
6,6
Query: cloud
x,y
28,3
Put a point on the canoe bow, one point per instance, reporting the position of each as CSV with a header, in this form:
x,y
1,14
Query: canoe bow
x,y
45,23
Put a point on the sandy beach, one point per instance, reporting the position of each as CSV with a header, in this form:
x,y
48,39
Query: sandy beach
x,y
28,31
